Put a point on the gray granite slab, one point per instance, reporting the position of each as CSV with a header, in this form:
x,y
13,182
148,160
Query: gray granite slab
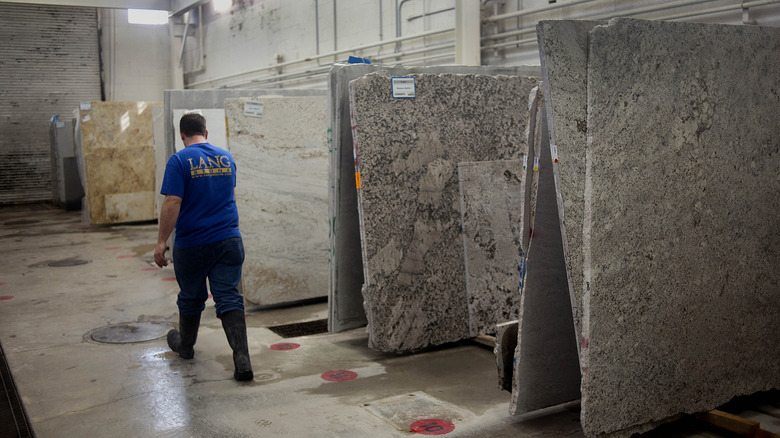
x,y
281,195
345,299
506,342
546,371
407,152
563,50
491,207
680,243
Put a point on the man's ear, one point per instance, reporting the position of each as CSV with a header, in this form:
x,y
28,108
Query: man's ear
x,y
207,135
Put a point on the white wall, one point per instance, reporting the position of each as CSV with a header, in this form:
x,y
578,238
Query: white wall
x,y
135,58
256,34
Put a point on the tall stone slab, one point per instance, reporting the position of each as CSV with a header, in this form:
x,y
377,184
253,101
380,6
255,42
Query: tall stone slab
x,y
546,371
406,151
281,195
345,299
492,207
116,140
680,243
563,50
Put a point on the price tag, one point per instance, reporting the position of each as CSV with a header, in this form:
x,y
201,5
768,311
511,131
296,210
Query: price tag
x,y
253,108
536,164
525,162
403,87
554,152
85,106
60,124
85,119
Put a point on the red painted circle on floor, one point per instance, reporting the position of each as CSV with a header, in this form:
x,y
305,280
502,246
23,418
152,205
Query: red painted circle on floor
x,y
6,298
151,269
431,426
339,375
126,257
284,346
169,279
2,283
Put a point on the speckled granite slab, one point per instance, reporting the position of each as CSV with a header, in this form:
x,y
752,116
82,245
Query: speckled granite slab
x,y
407,152
492,208
281,194
118,154
546,371
563,49
345,299
680,246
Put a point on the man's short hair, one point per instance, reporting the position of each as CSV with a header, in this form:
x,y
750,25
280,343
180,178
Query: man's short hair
x,y
192,124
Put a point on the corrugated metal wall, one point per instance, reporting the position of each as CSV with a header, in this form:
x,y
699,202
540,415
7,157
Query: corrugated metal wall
x,y
49,62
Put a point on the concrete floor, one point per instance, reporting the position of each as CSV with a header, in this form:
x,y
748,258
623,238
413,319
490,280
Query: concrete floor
x,y
75,387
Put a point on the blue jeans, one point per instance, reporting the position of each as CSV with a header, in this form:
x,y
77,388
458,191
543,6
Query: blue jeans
x,y
220,263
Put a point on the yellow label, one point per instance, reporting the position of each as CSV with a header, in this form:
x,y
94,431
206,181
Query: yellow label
x,y
358,182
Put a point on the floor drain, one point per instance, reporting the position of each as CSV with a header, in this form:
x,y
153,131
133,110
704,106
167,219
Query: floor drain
x,y
67,262
129,332
301,328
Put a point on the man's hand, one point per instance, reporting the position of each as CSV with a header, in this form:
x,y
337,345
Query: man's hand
x,y
159,254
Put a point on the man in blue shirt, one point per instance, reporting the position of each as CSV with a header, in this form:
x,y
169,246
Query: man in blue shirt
x,y
198,186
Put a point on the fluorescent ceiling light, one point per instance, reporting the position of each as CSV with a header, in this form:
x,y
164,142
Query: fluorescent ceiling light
x,y
221,5
147,16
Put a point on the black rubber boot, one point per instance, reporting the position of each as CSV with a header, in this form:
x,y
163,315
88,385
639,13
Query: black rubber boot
x,y
182,340
235,330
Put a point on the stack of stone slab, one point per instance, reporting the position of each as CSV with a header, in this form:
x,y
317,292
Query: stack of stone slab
x,y
407,152
281,194
665,146
290,265
114,142
345,299
66,183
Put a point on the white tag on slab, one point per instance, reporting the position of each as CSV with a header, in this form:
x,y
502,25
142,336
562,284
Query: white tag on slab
x,y
85,106
253,108
403,87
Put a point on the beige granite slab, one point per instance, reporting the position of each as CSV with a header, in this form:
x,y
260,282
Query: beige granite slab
x,y
680,244
407,152
118,151
281,195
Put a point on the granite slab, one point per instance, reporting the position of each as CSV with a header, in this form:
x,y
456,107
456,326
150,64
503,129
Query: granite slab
x,y
506,343
281,194
546,371
563,50
116,140
492,208
406,154
681,236
160,154
345,299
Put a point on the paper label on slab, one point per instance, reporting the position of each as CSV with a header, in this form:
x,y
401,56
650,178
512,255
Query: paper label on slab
x,y
60,124
85,106
536,164
253,108
525,162
85,119
403,87
554,153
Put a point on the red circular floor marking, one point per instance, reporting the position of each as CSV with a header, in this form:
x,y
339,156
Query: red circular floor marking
x,y
284,346
169,279
430,426
125,257
339,375
2,283
6,298
151,269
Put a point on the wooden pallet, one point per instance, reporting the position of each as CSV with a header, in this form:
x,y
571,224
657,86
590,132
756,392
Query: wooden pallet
x,y
735,424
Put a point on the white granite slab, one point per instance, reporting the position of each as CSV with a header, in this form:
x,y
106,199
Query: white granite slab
x,y
407,152
281,195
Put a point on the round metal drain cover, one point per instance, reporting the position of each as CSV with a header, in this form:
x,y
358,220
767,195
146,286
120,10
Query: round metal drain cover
x,y
130,332
68,262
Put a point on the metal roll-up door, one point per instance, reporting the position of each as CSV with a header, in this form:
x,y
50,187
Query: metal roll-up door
x,y
49,62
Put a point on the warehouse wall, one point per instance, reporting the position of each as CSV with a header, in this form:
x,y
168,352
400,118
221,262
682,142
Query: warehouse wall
x,y
136,58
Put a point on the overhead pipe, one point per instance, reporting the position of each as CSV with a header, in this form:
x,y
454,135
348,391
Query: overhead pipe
x,y
524,12
184,37
326,55
744,6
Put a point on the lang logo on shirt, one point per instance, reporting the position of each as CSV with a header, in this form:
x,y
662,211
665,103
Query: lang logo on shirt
x,y
210,166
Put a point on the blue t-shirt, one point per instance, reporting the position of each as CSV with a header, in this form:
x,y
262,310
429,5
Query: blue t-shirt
x,y
204,176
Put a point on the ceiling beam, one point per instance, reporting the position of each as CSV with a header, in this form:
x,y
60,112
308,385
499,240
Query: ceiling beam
x,y
164,5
